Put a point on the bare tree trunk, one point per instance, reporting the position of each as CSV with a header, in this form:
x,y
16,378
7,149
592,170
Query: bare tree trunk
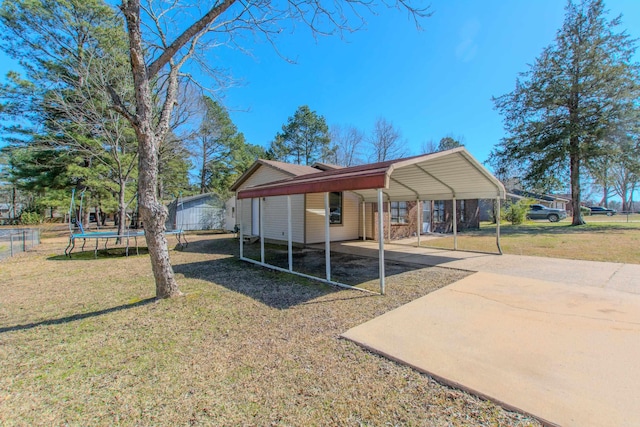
x,y
13,202
121,216
152,212
605,195
154,215
203,170
575,182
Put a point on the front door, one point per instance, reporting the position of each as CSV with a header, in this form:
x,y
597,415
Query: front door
x,y
255,217
426,216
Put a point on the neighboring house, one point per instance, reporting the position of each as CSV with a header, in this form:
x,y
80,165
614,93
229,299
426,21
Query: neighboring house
x,y
346,210
550,200
7,210
515,195
200,212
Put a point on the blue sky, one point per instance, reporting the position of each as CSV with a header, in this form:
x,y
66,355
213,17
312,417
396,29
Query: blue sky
x,y
429,83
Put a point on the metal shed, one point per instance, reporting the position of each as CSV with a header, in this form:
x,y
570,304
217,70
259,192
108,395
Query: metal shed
x,y
199,212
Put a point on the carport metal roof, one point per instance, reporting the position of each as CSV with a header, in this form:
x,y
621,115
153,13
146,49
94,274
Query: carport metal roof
x,y
446,175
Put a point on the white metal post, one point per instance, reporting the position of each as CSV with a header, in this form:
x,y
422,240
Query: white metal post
x,y
327,237
418,216
261,227
497,215
455,225
289,239
364,228
381,241
389,224
239,216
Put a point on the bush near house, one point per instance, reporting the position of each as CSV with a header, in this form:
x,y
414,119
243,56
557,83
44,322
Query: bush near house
x,y
516,213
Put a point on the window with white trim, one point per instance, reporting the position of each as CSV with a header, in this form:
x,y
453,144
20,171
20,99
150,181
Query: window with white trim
x,y
335,207
438,211
399,213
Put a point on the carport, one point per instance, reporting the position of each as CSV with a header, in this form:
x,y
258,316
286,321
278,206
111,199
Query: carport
x,y
447,175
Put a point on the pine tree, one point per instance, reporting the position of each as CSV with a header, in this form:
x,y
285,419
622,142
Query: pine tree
x,y
573,96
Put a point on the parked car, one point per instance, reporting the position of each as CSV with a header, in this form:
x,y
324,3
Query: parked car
x,y
544,212
599,210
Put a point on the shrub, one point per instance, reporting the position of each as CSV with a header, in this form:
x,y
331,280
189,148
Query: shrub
x,y
516,213
30,218
585,211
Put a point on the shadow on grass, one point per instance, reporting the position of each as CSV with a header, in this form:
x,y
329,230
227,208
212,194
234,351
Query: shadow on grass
x,y
76,317
109,253
275,289
279,289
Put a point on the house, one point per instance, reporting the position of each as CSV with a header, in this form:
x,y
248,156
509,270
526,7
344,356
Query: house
x,y
305,205
350,217
199,212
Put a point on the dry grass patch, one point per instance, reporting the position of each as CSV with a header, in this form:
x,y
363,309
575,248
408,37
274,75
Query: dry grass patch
x,y
83,343
599,240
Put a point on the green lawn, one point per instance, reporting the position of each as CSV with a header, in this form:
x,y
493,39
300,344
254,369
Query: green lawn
x,y
82,342
601,239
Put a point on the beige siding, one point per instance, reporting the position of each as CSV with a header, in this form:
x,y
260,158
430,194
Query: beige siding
x,y
348,230
368,209
264,175
244,207
275,208
275,218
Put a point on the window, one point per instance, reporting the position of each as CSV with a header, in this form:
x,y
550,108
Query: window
x,y
335,208
438,211
398,212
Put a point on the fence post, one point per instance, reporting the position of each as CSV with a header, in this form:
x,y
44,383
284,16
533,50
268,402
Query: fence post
x,y
11,243
24,240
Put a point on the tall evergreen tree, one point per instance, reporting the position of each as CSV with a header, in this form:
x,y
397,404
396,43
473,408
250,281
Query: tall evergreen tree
x,y
71,51
449,142
573,96
214,142
304,139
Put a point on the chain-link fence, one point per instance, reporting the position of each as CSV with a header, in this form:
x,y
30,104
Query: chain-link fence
x,y
16,240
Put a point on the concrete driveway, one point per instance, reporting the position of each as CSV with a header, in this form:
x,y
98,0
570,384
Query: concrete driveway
x,y
564,350
609,275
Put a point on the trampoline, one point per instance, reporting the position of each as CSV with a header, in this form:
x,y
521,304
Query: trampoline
x,y
107,235
125,237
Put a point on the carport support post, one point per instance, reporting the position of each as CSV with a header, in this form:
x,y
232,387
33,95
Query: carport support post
x,y
327,237
497,216
261,206
418,226
364,228
389,215
289,239
241,234
381,241
455,225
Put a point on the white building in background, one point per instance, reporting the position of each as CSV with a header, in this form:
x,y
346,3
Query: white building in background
x,y
199,212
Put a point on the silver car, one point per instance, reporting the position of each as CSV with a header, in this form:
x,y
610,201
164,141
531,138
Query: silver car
x,y
544,212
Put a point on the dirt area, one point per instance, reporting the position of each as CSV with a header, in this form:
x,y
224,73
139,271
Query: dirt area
x,y
345,268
